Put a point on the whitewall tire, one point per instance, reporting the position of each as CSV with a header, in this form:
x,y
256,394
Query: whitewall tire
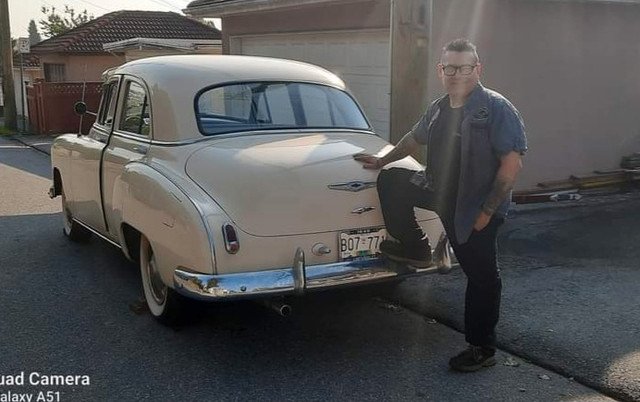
x,y
164,303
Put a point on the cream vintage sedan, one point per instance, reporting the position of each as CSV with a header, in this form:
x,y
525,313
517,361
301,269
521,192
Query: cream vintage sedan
x,y
230,177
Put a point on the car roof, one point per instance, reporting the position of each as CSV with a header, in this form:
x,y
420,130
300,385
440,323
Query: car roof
x,y
174,81
207,70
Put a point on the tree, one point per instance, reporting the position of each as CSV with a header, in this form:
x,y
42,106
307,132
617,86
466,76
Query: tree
x,y
55,24
34,35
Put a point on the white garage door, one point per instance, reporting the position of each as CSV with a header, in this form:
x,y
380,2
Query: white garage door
x,y
360,59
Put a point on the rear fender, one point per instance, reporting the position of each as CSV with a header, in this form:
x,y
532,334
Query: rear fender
x,y
163,208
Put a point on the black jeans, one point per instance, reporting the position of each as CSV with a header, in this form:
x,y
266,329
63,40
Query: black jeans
x,y
477,256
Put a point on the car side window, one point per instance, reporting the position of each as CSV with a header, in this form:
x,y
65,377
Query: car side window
x,y
113,99
108,104
135,117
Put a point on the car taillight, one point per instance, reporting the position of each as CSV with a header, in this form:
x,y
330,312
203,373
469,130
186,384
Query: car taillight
x,y
230,238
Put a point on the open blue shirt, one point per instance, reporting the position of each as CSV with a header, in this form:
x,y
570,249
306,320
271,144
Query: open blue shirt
x,y
491,128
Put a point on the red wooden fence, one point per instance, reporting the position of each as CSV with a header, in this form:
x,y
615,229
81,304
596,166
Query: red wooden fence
x,y
51,106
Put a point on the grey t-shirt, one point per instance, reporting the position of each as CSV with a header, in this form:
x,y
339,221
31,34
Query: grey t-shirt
x,y
491,128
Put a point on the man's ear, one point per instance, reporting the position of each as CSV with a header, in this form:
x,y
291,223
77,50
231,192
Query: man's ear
x,y
479,68
439,68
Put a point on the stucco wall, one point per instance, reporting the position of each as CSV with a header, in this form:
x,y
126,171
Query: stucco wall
x,y
569,67
409,56
83,68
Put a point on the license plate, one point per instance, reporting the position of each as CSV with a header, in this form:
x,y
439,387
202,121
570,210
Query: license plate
x,y
361,242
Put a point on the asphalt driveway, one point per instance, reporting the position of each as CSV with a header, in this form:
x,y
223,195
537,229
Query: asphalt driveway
x,y
571,291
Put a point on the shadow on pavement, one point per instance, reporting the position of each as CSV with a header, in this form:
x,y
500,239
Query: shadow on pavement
x,y
70,309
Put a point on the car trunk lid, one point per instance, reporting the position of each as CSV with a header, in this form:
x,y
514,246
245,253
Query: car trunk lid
x,y
278,184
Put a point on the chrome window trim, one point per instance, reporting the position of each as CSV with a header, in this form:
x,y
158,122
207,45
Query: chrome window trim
x,y
131,136
115,80
122,85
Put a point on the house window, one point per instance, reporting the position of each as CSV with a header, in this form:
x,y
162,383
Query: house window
x,y
54,72
135,116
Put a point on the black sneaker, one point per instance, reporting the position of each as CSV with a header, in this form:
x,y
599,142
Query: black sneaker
x,y
419,257
473,359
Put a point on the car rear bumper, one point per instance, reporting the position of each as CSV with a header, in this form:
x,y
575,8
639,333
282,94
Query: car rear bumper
x,y
300,279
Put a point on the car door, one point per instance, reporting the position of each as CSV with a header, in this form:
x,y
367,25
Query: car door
x,y
129,141
85,198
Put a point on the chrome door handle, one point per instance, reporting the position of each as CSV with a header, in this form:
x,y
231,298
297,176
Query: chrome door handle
x,y
141,149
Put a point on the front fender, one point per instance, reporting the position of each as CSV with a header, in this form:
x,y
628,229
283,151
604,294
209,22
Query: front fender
x,y
163,208
60,155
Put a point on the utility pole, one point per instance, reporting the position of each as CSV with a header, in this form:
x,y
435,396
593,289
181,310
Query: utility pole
x,y
10,112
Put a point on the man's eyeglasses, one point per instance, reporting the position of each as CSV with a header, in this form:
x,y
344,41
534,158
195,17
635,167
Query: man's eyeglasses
x,y
466,69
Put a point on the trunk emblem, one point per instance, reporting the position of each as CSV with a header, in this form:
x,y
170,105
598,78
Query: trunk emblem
x,y
353,186
362,210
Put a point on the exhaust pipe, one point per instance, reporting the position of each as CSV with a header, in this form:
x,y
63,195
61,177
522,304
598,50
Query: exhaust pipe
x,y
283,309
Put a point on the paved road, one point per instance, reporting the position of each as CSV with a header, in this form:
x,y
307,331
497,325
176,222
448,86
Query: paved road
x,y
571,291
75,310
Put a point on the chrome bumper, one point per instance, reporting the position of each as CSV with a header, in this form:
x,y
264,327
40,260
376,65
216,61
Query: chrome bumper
x,y
299,278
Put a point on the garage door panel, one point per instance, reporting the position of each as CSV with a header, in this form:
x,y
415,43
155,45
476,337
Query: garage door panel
x,y
360,59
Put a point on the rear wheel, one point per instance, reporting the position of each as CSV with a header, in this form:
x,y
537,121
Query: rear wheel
x,y
73,230
164,303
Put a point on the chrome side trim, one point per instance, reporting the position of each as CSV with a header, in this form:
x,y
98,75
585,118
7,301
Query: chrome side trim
x,y
299,279
100,235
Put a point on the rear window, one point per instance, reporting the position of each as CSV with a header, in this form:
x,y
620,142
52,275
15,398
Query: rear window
x,y
276,105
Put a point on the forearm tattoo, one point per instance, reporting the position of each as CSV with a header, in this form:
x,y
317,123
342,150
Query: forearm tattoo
x,y
502,185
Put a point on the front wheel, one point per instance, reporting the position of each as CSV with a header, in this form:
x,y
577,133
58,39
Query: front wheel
x,y
164,303
73,230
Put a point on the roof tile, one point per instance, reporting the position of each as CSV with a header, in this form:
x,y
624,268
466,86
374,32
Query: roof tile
x,y
125,24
